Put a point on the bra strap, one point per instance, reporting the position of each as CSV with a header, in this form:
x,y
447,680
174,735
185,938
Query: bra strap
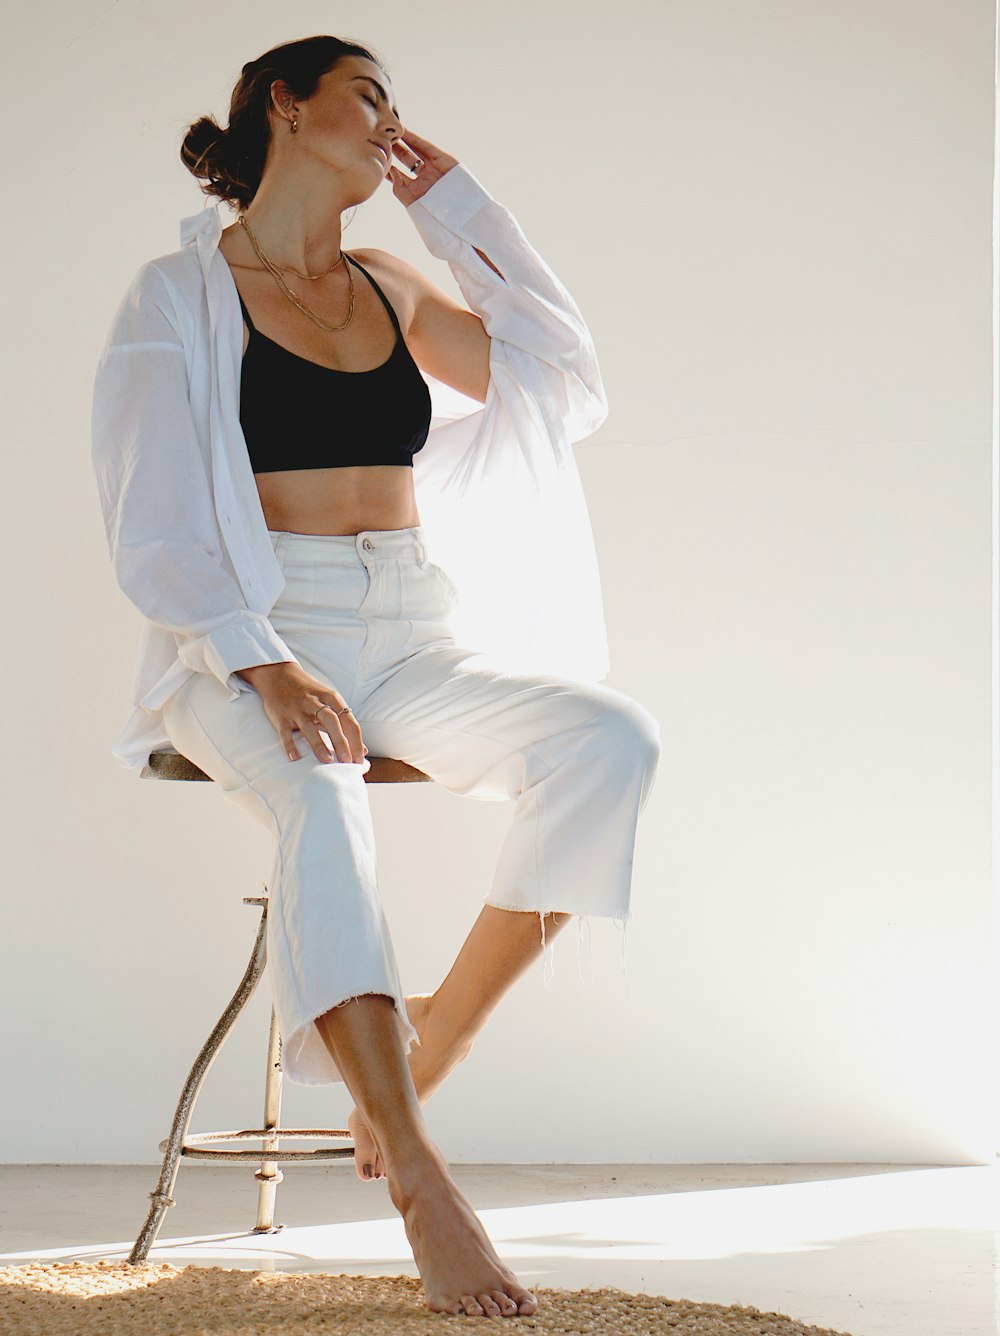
x,y
385,300
246,313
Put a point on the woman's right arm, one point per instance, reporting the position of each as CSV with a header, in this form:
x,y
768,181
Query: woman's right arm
x,y
159,515
156,496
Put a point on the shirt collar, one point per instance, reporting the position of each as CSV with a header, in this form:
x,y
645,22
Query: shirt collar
x,y
206,223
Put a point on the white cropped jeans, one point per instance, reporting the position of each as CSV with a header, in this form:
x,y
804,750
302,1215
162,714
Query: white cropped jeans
x,y
368,614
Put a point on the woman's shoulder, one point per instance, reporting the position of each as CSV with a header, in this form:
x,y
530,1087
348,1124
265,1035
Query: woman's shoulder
x,y
380,261
178,272
182,265
394,276
163,299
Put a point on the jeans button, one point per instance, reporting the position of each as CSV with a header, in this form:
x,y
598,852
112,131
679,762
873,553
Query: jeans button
x,y
367,544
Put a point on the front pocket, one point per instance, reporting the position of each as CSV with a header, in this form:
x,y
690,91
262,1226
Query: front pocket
x,y
445,579
428,594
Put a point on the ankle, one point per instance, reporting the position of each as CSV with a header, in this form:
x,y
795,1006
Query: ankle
x,y
418,1170
432,1063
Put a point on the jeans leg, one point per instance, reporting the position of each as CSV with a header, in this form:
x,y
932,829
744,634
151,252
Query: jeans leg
x,y
327,939
579,760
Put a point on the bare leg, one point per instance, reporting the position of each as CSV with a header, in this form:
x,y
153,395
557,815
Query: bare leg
x,y
498,950
459,1268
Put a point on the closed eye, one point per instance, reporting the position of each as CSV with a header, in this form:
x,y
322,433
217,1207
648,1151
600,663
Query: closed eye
x,y
369,99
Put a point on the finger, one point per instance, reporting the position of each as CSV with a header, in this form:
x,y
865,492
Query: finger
x,y
409,158
349,727
331,716
288,742
352,732
315,734
425,145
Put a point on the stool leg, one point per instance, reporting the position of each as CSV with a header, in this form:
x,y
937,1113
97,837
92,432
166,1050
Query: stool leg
x,y
269,1175
161,1197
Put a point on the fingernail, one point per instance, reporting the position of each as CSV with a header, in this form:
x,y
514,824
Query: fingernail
x,y
368,1170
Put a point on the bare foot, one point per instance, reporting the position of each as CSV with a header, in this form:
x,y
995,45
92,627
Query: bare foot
x,y
429,1062
458,1265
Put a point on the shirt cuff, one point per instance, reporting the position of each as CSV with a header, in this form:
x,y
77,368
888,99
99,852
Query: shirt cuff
x,y
246,644
455,197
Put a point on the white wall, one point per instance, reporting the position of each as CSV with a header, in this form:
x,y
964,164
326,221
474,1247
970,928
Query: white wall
x,y
776,218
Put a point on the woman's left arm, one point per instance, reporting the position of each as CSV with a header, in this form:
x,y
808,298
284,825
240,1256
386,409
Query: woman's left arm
x,y
518,297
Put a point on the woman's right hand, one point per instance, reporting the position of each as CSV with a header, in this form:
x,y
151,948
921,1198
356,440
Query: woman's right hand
x,y
292,697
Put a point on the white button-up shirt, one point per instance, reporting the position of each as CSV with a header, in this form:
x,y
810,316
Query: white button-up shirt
x,y
497,486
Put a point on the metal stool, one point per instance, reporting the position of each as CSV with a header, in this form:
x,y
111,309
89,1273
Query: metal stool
x,y
172,765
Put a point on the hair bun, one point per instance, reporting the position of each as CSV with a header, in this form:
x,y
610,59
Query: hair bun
x,y
229,163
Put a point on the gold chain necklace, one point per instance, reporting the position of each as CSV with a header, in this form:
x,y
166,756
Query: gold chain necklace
x,y
276,273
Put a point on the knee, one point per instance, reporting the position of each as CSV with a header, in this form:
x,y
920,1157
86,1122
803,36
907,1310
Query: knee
x,y
308,791
630,732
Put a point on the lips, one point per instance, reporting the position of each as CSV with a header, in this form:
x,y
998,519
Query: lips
x,y
382,148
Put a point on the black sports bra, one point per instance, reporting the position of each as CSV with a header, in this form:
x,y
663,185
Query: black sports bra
x,y
296,414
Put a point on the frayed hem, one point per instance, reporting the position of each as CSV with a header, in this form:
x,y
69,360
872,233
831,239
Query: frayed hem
x,y
408,1035
582,922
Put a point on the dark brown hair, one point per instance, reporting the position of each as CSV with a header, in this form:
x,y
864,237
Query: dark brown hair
x,y
230,162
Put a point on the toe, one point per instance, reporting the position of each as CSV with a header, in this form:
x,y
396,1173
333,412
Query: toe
x,y
506,1304
364,1147
526,1302
489,1305
452,1306
471,1305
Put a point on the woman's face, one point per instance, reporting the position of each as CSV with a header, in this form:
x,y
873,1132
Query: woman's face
x,y
352,111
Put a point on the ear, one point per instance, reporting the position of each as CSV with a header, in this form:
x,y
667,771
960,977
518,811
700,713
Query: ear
x,y
282,97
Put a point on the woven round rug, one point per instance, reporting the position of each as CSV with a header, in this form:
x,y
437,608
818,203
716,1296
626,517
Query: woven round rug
x,y
157,1299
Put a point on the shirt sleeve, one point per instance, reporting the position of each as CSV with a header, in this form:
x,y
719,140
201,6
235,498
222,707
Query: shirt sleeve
x,y
156,495
529,309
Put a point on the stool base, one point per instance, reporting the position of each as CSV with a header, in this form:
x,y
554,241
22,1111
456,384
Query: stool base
x,y
179,1144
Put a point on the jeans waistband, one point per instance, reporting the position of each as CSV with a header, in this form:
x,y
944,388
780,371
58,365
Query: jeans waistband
x,y
349,548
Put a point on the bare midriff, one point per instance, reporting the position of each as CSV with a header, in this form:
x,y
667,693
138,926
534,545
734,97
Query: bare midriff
x,y
339,500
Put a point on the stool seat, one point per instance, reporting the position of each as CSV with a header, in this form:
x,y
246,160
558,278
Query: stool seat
x,y
171,764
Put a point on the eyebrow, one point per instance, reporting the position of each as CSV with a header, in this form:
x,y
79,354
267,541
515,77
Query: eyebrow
x,y
375,84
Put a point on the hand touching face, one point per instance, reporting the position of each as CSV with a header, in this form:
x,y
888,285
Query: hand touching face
x,y
428,161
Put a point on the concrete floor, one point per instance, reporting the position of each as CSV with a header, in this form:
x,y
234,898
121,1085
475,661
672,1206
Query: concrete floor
x,y
873,1250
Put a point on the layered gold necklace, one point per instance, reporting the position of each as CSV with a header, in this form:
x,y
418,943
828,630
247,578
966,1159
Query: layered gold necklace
x,y
277,273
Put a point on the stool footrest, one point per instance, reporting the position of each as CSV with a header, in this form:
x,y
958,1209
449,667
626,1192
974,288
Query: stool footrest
x,y
192,1144
267,1134
250,1157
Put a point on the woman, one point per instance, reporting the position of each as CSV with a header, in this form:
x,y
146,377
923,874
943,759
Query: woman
x,y
268,413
